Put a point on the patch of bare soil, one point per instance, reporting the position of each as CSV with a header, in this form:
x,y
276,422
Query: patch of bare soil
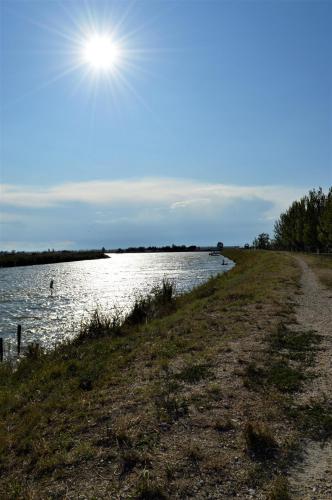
x,y
312,479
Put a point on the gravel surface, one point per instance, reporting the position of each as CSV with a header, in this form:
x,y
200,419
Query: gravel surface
x,y
312,478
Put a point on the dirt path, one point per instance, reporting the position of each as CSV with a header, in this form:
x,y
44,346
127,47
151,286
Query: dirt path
x,y
312,479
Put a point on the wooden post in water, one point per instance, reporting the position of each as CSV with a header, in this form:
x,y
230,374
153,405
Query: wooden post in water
x,y
1,350
19,334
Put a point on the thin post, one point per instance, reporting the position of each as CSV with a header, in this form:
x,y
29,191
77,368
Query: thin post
x,y
1,350
19,335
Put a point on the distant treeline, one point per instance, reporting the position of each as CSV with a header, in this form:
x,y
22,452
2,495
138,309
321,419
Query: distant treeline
x,y
11,259
167,248
305,226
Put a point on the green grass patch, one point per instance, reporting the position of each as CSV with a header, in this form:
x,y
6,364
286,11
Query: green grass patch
x,y
314,420
193,373
300,346
277,373
284,377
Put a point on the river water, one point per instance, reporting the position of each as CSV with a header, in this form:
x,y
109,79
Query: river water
x,y
80,287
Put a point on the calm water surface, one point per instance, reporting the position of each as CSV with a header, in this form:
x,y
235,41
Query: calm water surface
x,y
80,287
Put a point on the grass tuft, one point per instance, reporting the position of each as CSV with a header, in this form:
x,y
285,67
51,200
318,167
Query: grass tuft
x,y
279,489
148,489
100,325
260,442
157,303
193,373
284,377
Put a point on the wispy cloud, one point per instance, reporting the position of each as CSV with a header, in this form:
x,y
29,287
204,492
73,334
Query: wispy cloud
x,y
162,193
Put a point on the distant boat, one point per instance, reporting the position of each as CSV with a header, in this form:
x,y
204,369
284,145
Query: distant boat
x,y
214,253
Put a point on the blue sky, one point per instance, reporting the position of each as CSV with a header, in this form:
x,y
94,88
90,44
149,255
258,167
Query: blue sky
x,y
217,116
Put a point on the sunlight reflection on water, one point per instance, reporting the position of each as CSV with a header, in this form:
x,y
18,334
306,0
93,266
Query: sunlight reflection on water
x,y
80,287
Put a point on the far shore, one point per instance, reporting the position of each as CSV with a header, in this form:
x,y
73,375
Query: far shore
x,y
14,259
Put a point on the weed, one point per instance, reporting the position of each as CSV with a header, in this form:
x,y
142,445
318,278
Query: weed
x,y
193,373
148,489
170,406
284,377
33,351
129,460
100,325
194,453
279,489
223,425
83,451
215,392
254,376
157,303
260,441
123,439
315,420
165,293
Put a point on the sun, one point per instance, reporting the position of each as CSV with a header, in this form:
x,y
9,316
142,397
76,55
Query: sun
x,y
101,53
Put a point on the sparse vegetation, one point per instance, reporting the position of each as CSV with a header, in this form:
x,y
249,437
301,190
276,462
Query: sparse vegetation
x,y
314,419
299,346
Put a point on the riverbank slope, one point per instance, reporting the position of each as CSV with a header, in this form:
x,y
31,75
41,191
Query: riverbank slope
x,y
200,402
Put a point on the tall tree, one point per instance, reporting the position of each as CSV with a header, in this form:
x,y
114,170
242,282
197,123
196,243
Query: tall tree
x,y
306,224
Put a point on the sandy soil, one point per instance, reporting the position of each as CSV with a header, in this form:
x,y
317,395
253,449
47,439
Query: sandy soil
x,y
312,478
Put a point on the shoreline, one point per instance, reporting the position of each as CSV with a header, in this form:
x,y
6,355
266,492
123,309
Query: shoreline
x,y
19,259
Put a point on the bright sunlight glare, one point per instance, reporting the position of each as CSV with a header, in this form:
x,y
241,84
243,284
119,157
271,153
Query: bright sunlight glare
x,y
101,53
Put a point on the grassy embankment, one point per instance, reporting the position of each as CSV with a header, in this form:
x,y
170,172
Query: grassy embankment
x,y
33,258
189,396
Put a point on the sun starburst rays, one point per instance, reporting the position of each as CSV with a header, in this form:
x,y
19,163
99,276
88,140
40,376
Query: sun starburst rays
x,y
100,53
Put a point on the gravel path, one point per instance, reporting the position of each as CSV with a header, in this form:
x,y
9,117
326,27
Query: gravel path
x,y
312,479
